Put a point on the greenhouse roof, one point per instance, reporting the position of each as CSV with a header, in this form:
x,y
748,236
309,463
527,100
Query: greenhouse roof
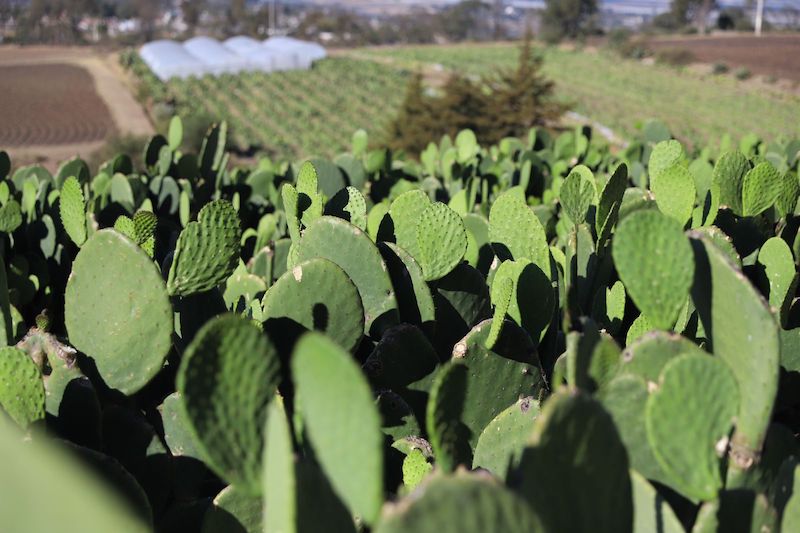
x,y
203,55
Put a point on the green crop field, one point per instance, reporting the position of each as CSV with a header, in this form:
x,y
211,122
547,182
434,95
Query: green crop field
x,y
295,113
620,93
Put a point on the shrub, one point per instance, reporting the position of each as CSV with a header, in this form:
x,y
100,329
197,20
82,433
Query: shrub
x,y
505,103
720,68
742,73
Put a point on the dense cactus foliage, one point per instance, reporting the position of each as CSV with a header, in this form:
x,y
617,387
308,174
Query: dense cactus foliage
x,y
541,335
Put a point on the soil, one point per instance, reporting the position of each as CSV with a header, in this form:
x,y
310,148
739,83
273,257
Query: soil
x,y
59,102
769,55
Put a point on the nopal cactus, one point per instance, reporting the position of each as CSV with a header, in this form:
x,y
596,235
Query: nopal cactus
x,y
598,335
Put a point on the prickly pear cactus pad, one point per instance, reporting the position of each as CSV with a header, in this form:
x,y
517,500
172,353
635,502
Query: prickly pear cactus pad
x,y
342,422
743,333
349,247
21,387
441,241
207,250
688,418
501,442
515,232
461,503
117,311
578,193
227,378
73,210
655,262
318,295
575,468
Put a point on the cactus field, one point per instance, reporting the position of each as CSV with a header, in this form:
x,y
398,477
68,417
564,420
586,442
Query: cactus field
x,y
540,336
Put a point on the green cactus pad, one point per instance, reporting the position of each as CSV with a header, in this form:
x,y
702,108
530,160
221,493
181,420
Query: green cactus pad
x,y
280,480
175,133
610,202
742,332
688,419
227,377
647,356
515,232
608,307
310,201
318,295
375,219
414,298
290,199
441,241
406,211
664,155
339,241
625,399
43,471
207,251
448,434
500,445
21,387
415,468
502,290
650,511
778,262
72,209
350,205
125,226
462,503
117,311
10,216
675,193
578,193
761,188
729,174
342,422
177,432
233,511
790,189
512,361
532,297
144,223
654,260
788,488
575,468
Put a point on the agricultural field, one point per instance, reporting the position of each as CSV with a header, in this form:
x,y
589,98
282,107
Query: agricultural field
x,y
768,55
295,113
65,109
621,94
60,101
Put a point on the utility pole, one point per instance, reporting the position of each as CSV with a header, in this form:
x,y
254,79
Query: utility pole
x,y
759,17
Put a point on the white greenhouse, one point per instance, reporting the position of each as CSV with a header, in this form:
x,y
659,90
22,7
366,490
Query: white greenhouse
x,y
203,55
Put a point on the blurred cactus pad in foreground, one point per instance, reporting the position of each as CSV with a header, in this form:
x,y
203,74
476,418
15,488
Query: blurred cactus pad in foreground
x,y
543,335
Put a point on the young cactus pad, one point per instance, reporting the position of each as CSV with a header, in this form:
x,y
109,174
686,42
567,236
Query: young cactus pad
x,y
655,262
207,251
117,311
